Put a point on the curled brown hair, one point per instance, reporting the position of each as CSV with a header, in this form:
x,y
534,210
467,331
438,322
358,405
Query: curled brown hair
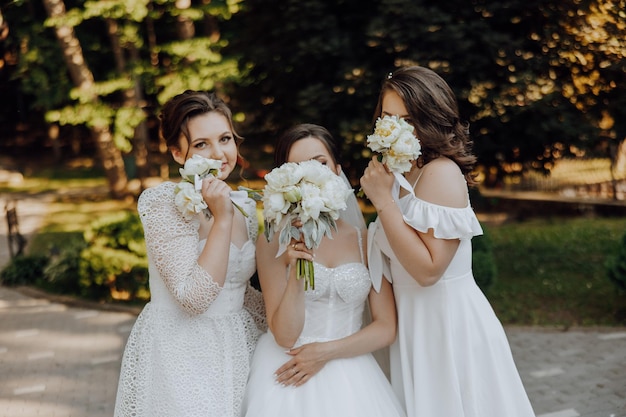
x,y
179,109
433,111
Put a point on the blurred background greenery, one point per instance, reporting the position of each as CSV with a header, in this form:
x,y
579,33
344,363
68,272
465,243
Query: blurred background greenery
x,y
541,82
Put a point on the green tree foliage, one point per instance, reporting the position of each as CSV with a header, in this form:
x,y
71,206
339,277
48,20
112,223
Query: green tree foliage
x,y
305,62
536,79
140,52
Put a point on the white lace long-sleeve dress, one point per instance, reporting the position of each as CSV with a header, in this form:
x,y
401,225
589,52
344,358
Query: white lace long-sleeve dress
x,y
451,357
189,352
345,387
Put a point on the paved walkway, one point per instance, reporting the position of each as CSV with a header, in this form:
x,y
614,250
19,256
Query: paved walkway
x,y
63,359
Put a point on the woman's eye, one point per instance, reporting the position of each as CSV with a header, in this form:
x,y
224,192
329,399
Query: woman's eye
x,y
226,138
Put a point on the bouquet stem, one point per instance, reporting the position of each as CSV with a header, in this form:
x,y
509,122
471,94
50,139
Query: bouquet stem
x,y
304,269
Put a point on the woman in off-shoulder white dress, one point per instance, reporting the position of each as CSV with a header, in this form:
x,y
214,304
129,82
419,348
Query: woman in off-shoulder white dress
x,y
188,354
451,357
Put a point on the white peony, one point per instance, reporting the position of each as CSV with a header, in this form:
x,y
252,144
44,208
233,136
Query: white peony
x,y
289,174
200,166
393,137
188,200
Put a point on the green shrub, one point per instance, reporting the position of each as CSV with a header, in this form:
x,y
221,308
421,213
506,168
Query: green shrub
x,y
121,231
616,267
107,261
24,270
483,262
62,274
114,265
101,268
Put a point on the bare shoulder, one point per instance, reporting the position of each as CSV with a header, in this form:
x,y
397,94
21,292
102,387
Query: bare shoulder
x,y
442,182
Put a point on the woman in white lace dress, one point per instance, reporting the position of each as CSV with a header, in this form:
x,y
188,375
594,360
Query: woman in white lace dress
x,y
316,360
189,351
451,357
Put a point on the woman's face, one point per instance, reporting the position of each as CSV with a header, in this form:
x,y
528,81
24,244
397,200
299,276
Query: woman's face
x,y
312,148
211,137
393,105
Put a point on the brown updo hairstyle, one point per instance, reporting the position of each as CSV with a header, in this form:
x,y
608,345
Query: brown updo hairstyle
x,y
303,131
177,112
433,111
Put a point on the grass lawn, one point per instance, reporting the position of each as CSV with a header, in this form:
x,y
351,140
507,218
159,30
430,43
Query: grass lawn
x,y
551,272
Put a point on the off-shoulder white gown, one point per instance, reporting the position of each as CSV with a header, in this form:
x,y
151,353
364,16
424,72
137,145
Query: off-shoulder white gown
x,y
451,357
188,354
343,387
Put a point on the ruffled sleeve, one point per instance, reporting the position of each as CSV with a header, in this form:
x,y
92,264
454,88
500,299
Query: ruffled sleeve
x,y
377,262
172,244
446,222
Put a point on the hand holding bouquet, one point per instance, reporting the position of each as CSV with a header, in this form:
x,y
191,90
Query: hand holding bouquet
x,y
394,139
188,193
311,193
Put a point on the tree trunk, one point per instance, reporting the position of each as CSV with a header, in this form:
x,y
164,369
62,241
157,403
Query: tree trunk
x,y
82,77
620,158
133,97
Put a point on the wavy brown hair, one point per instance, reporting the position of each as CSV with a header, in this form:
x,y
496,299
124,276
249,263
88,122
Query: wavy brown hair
x,y
433,111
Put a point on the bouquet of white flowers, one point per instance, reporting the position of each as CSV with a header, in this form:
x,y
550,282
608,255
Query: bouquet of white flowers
x,y
307,191
188,196
394,139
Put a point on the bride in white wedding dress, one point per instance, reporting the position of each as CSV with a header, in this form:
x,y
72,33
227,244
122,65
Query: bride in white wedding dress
x,y
316,358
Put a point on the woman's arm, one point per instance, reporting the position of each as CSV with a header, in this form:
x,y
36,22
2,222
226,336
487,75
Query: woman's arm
x,y
381,332
214,255
172,244
282,292
425,257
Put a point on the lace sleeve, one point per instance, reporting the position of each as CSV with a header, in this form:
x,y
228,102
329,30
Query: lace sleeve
x,y
254,304
172,244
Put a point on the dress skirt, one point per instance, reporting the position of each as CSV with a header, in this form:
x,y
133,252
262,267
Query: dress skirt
x,y
343,387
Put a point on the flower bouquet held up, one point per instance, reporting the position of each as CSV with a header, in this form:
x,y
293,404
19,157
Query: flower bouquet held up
x,y
394,140
307,191
188,193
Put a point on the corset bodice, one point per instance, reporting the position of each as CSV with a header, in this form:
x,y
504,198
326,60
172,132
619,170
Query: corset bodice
x,y
335,308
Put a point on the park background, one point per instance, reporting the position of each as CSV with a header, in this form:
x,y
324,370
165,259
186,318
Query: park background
x,y
542,84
